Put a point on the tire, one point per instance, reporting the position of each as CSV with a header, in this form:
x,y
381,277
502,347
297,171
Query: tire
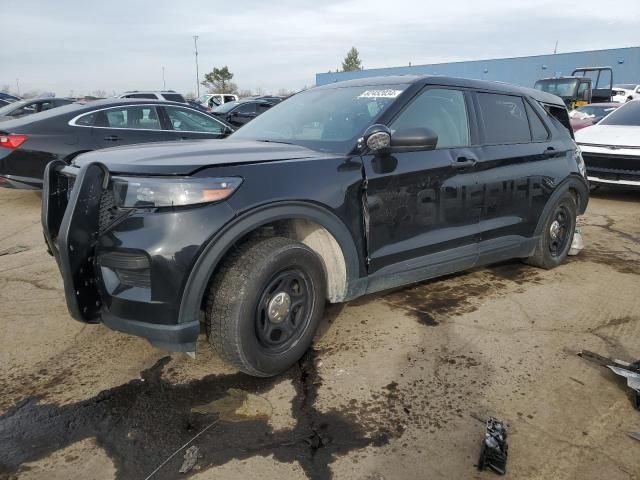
x,y
243,315
553,245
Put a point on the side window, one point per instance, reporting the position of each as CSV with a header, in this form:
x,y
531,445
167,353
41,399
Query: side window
x,y
140,117
441,110
148,96
246,108
229,98
184,120
504,118
539,132
45,106
582,88
263,107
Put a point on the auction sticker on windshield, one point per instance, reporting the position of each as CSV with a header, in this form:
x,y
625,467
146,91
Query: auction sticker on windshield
x,y
388,93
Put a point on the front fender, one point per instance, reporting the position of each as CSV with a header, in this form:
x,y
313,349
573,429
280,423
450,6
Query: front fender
x,y
217,247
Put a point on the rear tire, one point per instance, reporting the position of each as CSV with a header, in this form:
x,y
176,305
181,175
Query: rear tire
x,y
557,234
265,304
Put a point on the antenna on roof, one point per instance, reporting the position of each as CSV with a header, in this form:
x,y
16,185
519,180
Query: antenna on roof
x,y
555,49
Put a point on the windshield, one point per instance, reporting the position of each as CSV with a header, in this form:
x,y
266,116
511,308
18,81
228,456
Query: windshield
x,y
325,119
628,114
563,87
11,107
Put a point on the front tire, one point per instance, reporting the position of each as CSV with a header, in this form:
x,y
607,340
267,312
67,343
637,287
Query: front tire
x,y
265,304
557,234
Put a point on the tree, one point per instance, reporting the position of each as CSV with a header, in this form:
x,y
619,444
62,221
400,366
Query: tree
x,y
219,81
245,93
352,61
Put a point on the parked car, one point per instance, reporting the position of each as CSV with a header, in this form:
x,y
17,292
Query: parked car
x,y
8,97
342,190
4,102
611,149
213,100
242,112
625,92
590,114
28,144
21,108
168,95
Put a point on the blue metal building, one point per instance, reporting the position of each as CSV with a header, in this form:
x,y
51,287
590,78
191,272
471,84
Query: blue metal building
x,y
524,71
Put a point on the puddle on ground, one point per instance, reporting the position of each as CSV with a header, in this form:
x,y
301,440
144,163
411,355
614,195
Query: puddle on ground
x,y
141,423
459,294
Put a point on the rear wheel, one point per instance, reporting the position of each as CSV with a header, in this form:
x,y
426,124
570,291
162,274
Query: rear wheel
x,y
265,304
557,234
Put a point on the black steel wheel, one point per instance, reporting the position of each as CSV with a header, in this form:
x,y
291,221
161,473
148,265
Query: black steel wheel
x,y
284,310
555,238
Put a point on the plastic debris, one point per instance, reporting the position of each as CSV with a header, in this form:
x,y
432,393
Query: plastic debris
x,y
493,453
631,371
635,435
577,244
191,455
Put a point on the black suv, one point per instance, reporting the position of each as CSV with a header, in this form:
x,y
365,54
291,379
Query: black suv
x,y
342,190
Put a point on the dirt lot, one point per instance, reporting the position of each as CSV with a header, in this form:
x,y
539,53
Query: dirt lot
x,y
396,387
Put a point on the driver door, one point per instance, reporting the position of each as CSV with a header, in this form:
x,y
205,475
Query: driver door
x,y
424,206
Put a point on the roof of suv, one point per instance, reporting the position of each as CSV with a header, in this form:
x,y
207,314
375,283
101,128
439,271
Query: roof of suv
x,y
453,82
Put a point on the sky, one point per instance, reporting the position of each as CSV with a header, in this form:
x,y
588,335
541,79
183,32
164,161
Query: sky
x,y
73,47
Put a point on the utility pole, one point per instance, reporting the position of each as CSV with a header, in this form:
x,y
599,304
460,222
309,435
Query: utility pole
x,y
18,85
195,42
164,84
555,49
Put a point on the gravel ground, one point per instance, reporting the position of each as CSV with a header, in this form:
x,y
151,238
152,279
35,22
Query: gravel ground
x,y
397,386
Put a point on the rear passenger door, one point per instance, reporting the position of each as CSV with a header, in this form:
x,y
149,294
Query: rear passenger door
x,y
517,150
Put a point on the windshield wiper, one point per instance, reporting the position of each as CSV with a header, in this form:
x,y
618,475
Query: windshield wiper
x,y
274,141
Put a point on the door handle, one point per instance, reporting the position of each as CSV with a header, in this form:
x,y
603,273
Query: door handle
x,y
463,162
111,138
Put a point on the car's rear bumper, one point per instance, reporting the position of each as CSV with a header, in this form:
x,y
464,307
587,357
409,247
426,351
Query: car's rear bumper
x,y
128,269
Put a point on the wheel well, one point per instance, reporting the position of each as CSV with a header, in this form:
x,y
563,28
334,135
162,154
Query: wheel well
x,y
318,239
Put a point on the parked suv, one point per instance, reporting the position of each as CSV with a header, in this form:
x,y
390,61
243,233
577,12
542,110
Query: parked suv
x,y
342,190
169,95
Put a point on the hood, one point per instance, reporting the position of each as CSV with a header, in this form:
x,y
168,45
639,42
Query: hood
x,y
185,157
617,135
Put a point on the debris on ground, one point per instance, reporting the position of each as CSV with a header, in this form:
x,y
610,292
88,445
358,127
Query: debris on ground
x,y
635,435
631,371
493,453
191,455
13,250
577,244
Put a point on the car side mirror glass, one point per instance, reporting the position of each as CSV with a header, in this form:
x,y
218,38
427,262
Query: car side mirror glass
x,y
414,139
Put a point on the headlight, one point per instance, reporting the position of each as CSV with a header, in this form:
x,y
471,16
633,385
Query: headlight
x,y
171,192
577,156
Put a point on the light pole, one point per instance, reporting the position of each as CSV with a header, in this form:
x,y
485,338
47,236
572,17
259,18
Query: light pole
x,y
164,84
195,42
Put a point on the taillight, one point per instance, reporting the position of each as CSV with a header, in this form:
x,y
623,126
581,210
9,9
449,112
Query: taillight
x,y
12,140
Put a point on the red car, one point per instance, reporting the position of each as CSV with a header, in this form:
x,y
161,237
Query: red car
x,y
590,114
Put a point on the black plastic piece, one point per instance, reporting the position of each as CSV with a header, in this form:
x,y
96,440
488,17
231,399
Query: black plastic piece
x,y
493,453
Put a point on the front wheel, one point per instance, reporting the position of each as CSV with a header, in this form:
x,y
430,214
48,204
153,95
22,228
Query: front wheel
x,y
557,234
265,304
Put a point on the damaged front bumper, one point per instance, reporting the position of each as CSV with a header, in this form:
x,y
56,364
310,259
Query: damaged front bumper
x,y
125,268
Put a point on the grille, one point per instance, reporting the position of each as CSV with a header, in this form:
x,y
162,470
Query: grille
x,y
619,163
108,211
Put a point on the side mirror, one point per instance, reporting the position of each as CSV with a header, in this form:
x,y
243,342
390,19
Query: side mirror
x,y
377,138
414,139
